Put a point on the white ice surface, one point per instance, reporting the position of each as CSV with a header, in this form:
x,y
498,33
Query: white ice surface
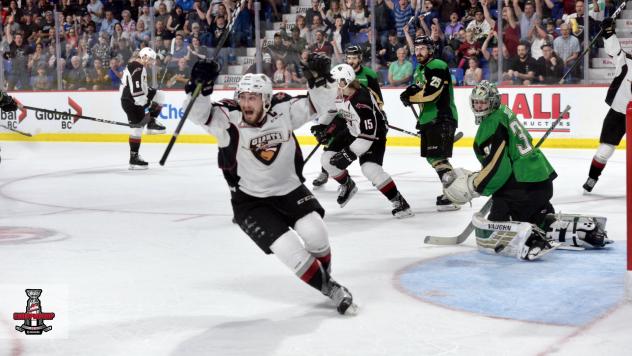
x,y
148,262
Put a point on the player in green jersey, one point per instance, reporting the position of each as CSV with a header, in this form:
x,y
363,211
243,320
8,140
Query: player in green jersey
x,y
437,121
519,179
368,79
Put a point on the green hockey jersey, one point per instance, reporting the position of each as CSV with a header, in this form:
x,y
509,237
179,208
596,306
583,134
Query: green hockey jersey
x,y
368,79
436,98
503,146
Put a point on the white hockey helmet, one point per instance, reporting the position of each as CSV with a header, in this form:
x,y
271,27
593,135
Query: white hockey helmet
x,y
487,92
256,83
343,72
147,53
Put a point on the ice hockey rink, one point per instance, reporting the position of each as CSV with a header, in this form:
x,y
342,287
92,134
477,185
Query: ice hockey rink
x,y
149,263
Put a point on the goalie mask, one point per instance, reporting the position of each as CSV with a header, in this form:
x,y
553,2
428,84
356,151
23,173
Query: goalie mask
x,y
484,100
258,84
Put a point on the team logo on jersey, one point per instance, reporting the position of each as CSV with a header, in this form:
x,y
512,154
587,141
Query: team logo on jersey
x,y
267,147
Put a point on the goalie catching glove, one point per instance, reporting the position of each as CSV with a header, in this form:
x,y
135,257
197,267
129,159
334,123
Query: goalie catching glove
x,y
204,72
458,186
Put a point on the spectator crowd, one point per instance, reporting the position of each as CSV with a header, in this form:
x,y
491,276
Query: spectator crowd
x,y
91,41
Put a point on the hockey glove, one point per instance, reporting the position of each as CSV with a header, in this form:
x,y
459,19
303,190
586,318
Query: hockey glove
x,y
7,103
343,159
608,27
316,70
324,133
204,72
408,93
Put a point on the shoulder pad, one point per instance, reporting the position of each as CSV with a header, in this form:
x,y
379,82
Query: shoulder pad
x,y
230,104
437,64
280,97
370,72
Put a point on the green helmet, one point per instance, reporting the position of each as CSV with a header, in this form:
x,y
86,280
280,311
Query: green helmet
x,y
487,92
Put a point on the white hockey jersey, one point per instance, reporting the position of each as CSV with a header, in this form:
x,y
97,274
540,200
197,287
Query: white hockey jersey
x,y
134,84
263,160
620,90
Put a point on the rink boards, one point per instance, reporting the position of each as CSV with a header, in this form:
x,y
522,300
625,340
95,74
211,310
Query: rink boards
x,y
536,107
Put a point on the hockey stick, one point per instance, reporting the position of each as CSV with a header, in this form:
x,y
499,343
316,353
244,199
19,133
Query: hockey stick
x,y
174,137
198,88
457,136
16,131
62,113
312,153
581,56
460,238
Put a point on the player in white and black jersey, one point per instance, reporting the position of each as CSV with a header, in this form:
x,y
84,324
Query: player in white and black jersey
x,y
262,163
141,103
619,94
364,139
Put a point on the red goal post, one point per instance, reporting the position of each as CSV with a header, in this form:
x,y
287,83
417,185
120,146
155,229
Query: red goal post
x,y
629,199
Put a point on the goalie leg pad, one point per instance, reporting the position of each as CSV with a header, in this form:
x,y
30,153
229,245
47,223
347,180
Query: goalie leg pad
x,y
577,230
510,238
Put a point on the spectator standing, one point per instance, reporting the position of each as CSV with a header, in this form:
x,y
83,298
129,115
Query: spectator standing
x,y
321,45
453,27
567,48
403,12
474,74
19,52
527,18
169,4
107,25
95,9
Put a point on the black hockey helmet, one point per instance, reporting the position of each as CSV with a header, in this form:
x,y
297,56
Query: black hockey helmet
x,y
425,41
354,51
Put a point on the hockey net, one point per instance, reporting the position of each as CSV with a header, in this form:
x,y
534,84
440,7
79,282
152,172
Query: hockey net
x,y
629,200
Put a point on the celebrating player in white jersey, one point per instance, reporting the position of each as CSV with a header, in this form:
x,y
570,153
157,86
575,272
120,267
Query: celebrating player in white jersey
x,y
619,94
141,103
262,163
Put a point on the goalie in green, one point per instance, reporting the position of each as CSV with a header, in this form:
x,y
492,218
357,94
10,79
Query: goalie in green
x,y
519,179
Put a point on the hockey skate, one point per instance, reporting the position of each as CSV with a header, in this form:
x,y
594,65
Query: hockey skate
x,y
136,162
401,209
589,185
342,298
346,191
444,204
321,179
537,245
154,128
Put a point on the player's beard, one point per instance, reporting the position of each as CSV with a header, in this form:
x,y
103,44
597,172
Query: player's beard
x,y
421,59
252,116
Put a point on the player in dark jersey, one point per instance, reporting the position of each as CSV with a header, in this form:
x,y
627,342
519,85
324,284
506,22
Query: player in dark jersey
x,y
619,94
365,140
368,79
141,103
437,121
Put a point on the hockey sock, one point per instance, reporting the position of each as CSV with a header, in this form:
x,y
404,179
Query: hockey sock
x,y
440,165
389,189
603,154
595,169
313,232
315,275
343,177
134,144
